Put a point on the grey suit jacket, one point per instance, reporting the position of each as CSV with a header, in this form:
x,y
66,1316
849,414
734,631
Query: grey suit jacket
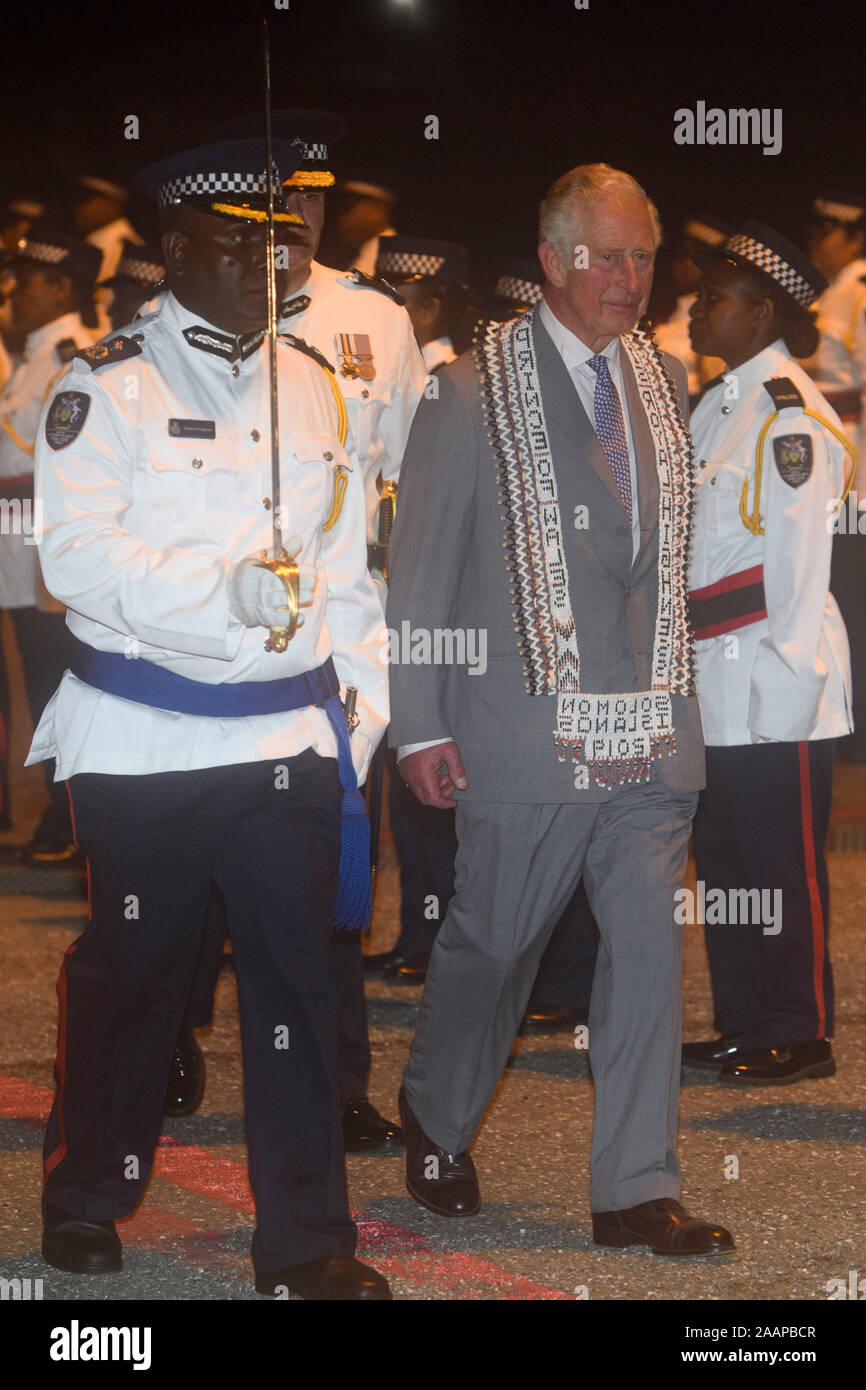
x,y
448,571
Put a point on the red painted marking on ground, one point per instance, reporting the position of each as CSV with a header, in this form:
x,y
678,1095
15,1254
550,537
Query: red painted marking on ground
x,y
22,1100
399,1252
197,1170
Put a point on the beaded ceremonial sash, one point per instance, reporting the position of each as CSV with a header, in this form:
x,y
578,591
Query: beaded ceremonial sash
x,y
616,735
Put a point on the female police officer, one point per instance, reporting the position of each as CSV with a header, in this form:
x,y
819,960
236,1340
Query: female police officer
x,y
773,665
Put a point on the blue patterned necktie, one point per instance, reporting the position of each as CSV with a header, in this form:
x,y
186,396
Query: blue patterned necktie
x,y
610,428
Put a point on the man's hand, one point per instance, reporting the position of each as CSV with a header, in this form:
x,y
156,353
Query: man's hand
x,y
257,597
434,773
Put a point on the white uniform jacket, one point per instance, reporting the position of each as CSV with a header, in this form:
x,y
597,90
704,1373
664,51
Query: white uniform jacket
x,y
46,352
776,665
155,479
382,401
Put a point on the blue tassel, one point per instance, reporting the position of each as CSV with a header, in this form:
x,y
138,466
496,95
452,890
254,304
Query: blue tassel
x,y
354,901
353,904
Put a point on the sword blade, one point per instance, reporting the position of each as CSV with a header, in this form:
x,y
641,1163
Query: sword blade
x,y
276,491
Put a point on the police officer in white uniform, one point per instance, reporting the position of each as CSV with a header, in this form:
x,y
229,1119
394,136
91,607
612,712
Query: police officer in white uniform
x,y
773,670
359,325
52,304
838,368
200,727
432,277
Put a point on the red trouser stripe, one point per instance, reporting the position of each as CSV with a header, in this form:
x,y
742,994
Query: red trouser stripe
x,y
812,880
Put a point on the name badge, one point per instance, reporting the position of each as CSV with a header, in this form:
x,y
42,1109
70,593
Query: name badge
x,y
192,429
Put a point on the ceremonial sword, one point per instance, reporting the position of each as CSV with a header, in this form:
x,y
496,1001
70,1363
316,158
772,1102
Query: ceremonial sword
x,y
279,562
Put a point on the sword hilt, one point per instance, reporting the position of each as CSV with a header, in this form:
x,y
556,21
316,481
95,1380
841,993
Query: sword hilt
x,y
284,567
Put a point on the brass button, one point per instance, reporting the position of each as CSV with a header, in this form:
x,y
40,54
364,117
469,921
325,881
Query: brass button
x,y
328,456
266,503
236,371
198,463
255,436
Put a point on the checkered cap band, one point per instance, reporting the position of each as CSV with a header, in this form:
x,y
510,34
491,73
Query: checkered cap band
x,y
839,212
318,152
145,271
42,251
409,263
773,265
202,185
701,231
511,287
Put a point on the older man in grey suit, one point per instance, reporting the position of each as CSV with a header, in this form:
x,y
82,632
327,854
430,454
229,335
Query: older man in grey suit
x,y
545,504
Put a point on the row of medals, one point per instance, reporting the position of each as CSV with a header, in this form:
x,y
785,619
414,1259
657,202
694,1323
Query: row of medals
x,y
353,367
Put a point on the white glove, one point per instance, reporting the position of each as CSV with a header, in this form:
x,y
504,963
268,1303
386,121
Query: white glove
x,y
257,597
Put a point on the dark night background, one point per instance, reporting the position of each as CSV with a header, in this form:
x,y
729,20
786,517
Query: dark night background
x,y
522,92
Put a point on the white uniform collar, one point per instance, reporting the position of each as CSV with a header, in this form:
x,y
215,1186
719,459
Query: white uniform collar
x,y
573,350
67,326
774,360
178,317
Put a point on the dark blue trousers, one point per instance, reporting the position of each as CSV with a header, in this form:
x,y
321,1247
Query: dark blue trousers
x,y
154,844
762,824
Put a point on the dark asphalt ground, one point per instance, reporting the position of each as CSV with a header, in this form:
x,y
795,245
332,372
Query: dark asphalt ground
x,y
795,1205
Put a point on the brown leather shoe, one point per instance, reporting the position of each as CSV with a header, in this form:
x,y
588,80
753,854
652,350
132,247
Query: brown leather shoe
x,y
442,1182
662,1224
332,1279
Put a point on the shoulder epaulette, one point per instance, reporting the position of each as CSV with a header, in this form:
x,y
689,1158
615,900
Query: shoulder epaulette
x,y
784,393
373,282
113,350
66,350
305,347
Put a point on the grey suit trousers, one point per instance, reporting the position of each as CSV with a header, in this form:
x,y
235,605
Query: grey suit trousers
x,y
517,867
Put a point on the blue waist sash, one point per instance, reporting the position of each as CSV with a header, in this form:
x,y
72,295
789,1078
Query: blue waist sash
x,y
146,684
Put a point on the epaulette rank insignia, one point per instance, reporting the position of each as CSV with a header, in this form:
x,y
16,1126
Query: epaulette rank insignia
x,y
784,393
373,282
310,351
66,350
114,350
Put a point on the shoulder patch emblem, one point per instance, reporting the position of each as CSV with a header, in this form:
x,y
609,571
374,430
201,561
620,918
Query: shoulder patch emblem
x,y
65,420
112,350
373,282
310,351
784,393
66,350
793,453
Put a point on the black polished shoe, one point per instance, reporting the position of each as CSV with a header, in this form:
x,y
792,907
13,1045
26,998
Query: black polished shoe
x,y
77,1246
365,1131
186,1080
665,1226
407,970
331,1279
442,1182
715,1052
781,1066
552,1018
52,841
375,965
